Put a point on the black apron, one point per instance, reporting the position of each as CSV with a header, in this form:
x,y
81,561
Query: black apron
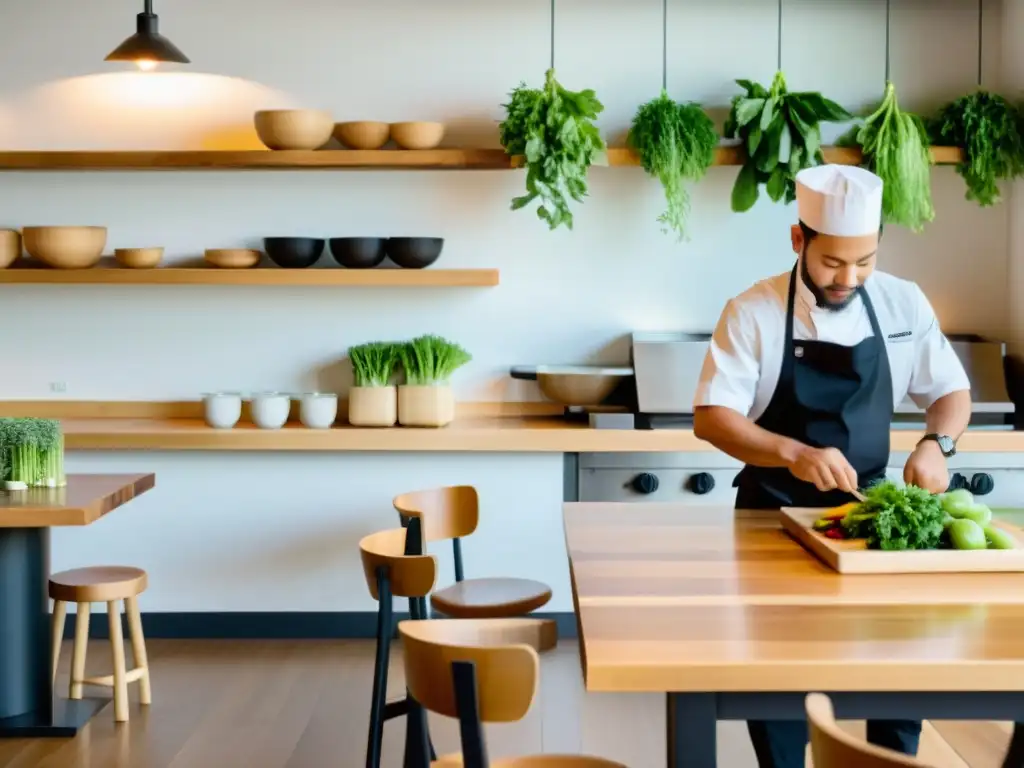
x,y
828,396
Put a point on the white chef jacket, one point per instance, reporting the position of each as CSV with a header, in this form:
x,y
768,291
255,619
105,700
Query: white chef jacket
x,y
744,360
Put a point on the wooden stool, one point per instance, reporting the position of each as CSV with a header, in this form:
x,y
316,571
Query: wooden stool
x,y
103,584
481,671
452,513
832,747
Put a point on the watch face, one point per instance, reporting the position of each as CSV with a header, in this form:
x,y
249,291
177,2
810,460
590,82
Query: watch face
x,y
946,444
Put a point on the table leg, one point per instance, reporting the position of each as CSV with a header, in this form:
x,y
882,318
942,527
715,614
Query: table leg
x,y
27,707
691,726
1015,753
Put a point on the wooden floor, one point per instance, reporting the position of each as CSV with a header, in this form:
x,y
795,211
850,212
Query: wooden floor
x,y
283,704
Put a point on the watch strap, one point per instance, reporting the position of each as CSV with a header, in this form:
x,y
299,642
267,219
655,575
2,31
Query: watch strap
x,y
940,439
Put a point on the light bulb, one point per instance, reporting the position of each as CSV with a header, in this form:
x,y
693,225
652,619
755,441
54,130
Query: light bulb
x,y
146,65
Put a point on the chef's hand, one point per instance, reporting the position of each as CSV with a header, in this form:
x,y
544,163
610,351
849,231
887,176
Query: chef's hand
x,y
926,468
827,468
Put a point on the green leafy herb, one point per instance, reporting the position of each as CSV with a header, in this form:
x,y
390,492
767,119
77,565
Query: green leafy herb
x,y
988,127
32,452
896,517
896,147
676,143
374,364
781,132
431,360
553,129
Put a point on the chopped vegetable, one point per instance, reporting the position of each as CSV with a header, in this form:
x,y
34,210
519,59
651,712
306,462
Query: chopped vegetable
x,y
998,538
553,129
374,364
967,534
32,452
781,132
676,143
988,127
897,517
896,147
431,360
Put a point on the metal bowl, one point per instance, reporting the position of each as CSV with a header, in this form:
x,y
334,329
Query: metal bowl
x,y
579,385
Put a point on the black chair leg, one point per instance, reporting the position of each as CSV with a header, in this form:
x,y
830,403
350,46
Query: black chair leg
x,y
378,703
418,611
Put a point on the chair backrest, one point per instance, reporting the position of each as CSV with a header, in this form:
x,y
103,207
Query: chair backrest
x,y
447,513
502,651
410,575
832,747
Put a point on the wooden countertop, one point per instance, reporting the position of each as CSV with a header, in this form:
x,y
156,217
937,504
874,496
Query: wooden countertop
x,y
478,427
677,598
84,500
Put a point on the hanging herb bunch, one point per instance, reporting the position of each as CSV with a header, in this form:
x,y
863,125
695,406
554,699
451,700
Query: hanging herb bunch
x,y
676,143
988,127
781,132
896,147
553,129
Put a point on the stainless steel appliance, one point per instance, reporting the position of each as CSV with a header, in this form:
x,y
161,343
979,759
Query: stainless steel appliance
x,y
667,368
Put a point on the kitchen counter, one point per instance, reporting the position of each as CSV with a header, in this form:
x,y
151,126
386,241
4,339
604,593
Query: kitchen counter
x,y
478,427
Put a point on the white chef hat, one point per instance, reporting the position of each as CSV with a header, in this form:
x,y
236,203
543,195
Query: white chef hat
x,y
840,200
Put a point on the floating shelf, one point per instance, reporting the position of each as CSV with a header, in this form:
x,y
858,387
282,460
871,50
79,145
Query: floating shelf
x,y
381,278
384,159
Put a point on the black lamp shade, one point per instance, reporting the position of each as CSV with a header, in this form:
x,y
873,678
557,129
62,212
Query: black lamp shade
x,y
147,44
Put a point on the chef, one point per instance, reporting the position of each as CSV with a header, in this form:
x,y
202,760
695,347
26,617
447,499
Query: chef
x,y
801,379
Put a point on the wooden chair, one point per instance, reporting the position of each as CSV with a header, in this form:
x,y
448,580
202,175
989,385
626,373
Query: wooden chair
x,y
453,513
102,584
832,747
480,671
394,566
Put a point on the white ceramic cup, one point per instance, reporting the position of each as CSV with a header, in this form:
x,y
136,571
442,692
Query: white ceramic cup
x,y
270,409
318,410
222,409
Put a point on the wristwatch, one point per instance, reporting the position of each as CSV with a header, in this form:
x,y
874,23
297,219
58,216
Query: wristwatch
x,y
946,443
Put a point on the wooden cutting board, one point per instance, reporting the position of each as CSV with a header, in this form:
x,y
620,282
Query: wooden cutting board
x,y
853,556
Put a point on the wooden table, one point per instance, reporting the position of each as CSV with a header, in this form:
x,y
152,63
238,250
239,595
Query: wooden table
x,y
733,620
27,705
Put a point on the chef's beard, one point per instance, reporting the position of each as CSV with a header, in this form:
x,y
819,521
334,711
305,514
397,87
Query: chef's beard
x,y
820,297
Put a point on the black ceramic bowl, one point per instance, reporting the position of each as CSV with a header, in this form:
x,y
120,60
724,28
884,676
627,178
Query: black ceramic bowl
x,y
414,252
358,252
293,252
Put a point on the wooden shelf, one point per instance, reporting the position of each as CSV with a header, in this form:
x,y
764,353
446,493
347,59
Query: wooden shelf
x,y
105,274
384,159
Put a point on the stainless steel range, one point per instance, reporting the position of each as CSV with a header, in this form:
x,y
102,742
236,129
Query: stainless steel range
x,y
667,368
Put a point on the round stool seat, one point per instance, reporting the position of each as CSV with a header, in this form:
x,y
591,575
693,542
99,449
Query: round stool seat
x,y
98,584
491,598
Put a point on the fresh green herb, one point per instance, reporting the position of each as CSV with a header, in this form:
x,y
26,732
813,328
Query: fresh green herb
x,y
781,132
431,360
896,517
988,127
32,452
553,129
896,147
374,364
676,143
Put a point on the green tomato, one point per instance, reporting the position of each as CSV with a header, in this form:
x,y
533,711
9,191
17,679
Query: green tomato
x,y
999,539
957,502
967,534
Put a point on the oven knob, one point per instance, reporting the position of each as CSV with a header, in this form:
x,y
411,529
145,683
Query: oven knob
x,y
957,482
645,483
701,483
982,484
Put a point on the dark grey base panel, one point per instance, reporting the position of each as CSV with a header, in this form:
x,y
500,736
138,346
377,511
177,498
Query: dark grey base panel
x,y
68,718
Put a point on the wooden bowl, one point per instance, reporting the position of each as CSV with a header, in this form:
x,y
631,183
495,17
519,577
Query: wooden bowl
x,y
10,247
138,258
363,134
294,128
417,135
232,258
66,247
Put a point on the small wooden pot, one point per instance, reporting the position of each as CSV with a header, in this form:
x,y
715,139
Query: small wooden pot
x,y
372,407
10,247
430,406
138,258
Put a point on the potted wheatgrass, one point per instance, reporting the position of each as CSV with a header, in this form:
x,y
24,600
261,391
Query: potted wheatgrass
x,y
372,401
426,399
31,453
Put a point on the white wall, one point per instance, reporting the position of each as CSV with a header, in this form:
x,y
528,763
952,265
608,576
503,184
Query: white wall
x,y
564,297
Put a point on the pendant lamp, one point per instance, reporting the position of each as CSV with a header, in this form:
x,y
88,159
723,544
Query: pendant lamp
x,y
147,46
